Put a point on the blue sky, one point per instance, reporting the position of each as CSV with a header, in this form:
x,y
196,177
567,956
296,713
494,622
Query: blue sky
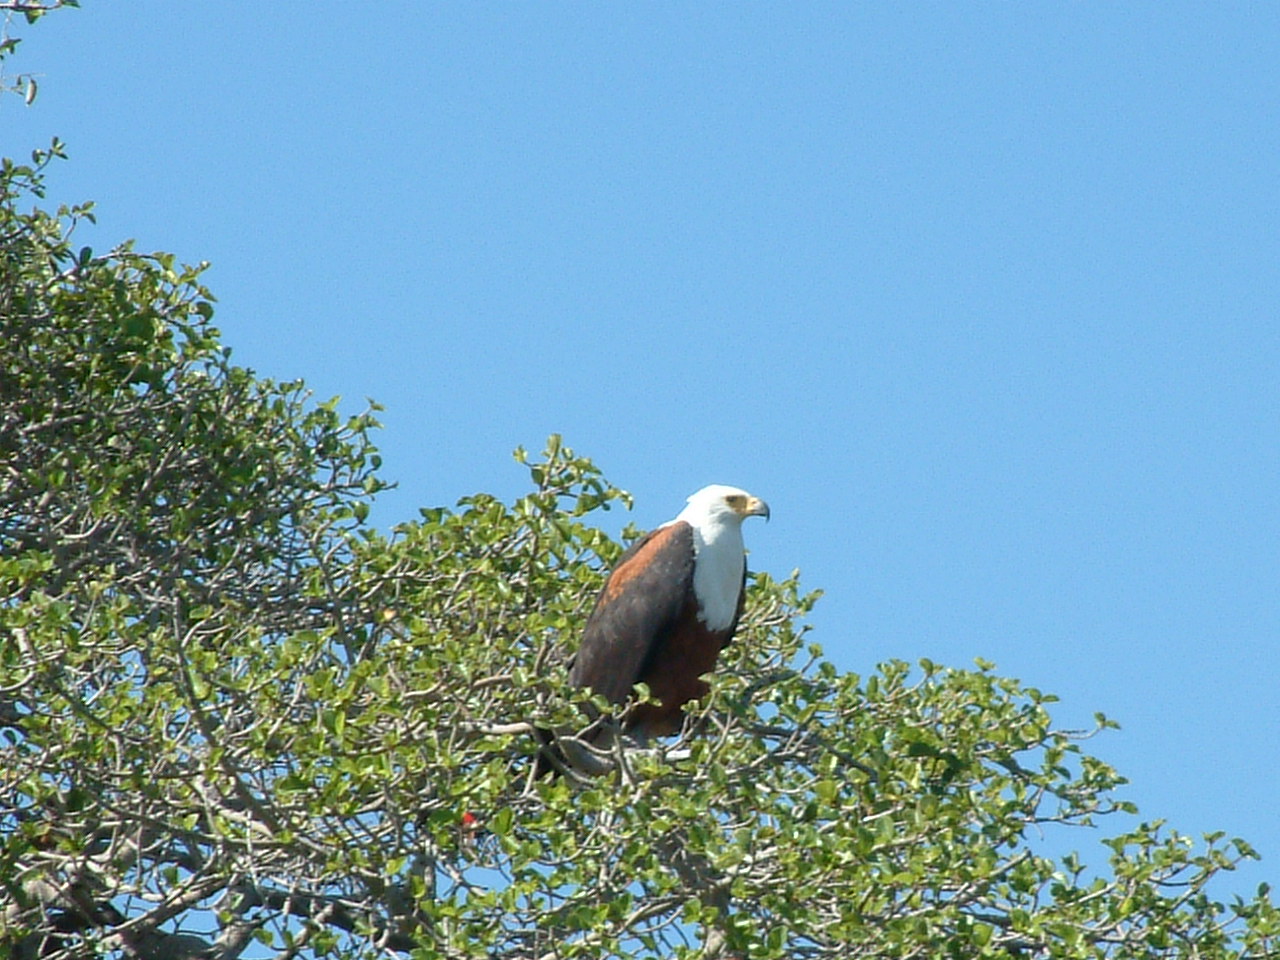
x,y
982,298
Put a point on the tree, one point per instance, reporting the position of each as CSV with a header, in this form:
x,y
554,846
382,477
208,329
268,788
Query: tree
x,y
237,720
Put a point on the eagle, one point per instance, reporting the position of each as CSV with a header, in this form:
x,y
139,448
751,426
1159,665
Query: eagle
x,y
668,609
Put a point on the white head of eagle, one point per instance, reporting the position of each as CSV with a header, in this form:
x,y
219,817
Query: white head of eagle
x,y
668,608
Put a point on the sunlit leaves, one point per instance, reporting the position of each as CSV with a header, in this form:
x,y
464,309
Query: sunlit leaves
x,y
226,701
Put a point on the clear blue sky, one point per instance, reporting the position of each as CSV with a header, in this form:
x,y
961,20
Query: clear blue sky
x,y
981,297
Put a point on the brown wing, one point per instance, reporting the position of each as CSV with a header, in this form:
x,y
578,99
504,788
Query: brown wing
x,y
641,601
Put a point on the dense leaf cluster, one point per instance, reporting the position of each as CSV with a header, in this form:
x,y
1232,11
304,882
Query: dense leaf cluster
x,y
236,721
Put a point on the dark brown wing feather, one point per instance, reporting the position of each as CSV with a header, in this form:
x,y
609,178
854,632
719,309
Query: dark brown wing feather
x,y
641,601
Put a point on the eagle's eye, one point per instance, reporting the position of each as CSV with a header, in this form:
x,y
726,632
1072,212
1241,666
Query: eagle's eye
x,y
736,500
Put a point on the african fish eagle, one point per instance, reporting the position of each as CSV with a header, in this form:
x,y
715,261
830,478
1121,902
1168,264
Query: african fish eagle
x,y
668,608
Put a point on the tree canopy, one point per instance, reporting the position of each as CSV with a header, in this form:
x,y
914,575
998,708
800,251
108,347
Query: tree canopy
x,y
238,720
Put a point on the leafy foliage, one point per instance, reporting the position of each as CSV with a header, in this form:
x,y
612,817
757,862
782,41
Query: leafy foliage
x,y
234,719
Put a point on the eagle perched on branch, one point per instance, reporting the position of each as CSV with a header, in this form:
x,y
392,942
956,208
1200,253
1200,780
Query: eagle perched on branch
x,y
668,608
